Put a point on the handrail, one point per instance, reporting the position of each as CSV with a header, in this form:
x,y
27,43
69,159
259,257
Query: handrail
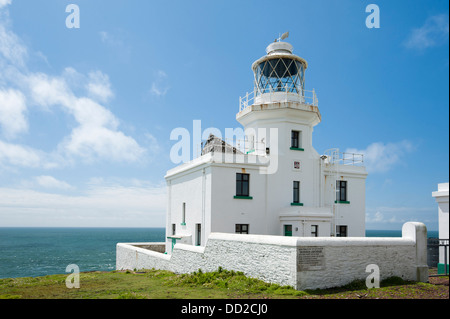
x,y
308,97
333,156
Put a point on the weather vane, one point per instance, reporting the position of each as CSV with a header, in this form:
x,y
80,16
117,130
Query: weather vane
x,y
282,37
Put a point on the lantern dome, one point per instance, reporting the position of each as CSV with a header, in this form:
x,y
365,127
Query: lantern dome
x,y
279,71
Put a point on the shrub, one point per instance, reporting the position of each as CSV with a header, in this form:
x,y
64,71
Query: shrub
x,y
230,279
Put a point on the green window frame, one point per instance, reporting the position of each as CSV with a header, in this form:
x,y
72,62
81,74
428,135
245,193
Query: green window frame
x,y
341,192
242,185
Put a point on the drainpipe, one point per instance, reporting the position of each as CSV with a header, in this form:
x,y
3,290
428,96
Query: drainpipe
x,y
320,182
203,226
169,215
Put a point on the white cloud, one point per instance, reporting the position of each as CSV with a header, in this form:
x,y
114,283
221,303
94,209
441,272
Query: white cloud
x,y
12,113
380,157
19,155
117,43
385,217
89,113
160,85
376,219
92,142
96,137
25,156
4,3
51,182
109,39
105,204
49,91
11,47
381,218
99,86
434,32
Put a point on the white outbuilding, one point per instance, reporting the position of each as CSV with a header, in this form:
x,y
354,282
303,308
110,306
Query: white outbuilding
x,y
441,197
273,181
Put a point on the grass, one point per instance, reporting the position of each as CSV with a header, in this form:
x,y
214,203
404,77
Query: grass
x,y
221,284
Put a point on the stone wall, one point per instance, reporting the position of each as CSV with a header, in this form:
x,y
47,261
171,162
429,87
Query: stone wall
x,y
301,262
158,247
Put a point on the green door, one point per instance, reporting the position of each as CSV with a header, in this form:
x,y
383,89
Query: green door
x,y
287,230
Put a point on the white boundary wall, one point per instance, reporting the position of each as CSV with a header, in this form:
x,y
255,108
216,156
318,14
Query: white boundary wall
x,y
301,262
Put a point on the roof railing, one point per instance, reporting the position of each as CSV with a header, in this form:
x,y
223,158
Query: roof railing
x,y
308,97
333,156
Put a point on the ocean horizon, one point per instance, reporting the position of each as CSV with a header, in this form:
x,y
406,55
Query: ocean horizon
x,y
41,251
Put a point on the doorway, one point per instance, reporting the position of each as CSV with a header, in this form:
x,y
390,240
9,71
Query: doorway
x,y
198,232
287,230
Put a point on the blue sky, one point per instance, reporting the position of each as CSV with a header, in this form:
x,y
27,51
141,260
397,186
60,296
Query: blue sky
x,y
86,113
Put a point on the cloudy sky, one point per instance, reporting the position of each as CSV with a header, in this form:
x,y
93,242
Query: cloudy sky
x,y
86,113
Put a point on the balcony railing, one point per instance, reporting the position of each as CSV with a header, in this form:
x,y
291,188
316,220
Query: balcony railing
x,y
333,156
283,95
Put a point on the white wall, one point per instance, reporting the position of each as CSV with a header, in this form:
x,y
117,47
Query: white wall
x,y
228,211
442,198
352,214
280,259
212,197
193,189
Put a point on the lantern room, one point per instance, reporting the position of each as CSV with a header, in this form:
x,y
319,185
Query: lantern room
x,y
279,71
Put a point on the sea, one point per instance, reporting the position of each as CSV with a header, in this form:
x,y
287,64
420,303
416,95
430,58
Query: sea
x,y
35,252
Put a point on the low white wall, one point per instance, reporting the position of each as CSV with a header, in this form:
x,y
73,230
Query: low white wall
x,y
304,263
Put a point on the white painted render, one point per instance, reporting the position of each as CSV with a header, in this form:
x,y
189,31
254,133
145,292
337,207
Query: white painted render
x,y
277,259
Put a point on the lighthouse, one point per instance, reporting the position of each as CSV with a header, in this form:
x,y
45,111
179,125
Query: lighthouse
x,y
305,194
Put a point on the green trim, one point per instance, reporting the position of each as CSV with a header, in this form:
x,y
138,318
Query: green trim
x,y
441,268
341,202
296,204
287,232
183,224
243,197
297,149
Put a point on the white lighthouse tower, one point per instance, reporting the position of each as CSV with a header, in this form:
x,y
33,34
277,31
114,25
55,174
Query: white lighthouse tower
x,y
281,102
277,183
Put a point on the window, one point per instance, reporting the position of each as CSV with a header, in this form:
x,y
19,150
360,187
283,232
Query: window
x,y
296,195
295,139
296,143
341,192
341,231
242,185
280,75
174,227
314,230
242,228
183,215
